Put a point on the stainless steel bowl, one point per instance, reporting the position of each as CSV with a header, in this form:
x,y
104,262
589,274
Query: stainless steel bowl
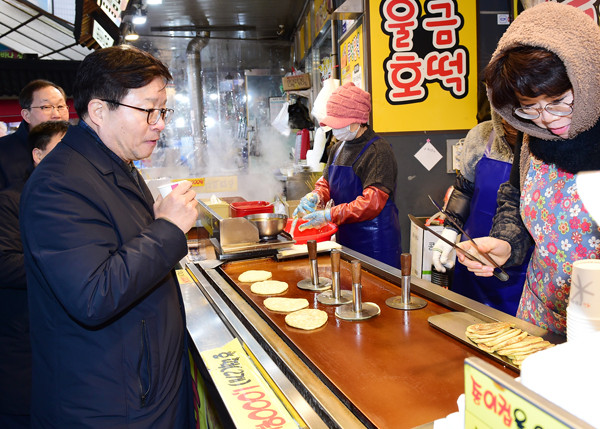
x,y
268,224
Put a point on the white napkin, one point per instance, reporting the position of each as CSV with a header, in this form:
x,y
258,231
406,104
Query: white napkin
x,y
301,249
569,376
455,420
587,188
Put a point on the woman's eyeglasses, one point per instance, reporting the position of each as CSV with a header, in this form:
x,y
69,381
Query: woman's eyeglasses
x,y
557,108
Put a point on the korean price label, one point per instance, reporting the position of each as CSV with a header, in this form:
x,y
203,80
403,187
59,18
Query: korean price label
x,y
249,399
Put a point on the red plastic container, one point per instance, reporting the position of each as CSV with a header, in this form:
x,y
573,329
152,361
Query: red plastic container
x,y
321,234
245,208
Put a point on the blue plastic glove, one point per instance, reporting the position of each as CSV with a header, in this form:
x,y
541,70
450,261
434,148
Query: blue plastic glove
x,y
308,204
316,219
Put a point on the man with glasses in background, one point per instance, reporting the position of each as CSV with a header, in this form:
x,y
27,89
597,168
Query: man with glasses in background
x,y
107,323
40,101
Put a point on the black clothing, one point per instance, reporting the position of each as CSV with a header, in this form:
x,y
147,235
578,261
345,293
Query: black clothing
x,y
16,163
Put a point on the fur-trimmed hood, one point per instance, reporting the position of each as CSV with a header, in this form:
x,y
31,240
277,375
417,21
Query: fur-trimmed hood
x,y
575,38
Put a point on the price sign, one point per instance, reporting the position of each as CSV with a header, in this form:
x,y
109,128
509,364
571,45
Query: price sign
x,y
204,185
183,277
249,399
495,400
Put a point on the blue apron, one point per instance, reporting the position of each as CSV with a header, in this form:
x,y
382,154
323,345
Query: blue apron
x,y
504,296
378,238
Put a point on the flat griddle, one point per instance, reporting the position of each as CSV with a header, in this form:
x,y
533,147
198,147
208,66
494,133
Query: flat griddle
x,y
393,370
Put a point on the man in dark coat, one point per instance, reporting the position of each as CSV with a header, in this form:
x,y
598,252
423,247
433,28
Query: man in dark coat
x,y
40,101
108,331
15,359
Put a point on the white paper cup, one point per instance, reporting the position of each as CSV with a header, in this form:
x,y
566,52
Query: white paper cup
x,y
587,188
168,187
584,298
580,327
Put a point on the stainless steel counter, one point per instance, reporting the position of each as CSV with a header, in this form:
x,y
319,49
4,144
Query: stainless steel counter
x,y
217,313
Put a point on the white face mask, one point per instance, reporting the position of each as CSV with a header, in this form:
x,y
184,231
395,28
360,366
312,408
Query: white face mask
x,y
345,134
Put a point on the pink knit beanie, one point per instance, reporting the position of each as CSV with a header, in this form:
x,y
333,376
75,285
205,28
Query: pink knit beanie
x,y
347,105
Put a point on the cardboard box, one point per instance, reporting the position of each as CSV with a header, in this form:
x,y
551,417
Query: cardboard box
x,y
221,208
292,204
296,82
421,245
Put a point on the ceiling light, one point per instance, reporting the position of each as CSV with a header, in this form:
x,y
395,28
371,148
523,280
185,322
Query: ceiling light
x,y
154,2
130,35
139,17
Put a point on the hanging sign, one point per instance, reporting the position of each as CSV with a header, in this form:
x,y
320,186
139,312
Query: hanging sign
x,y
423,64
352,58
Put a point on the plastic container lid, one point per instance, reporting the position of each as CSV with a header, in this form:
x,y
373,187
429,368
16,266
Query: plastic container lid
x,y
321,234
244,208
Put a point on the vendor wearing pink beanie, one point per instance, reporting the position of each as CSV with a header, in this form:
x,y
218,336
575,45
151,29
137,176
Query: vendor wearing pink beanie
x,y
360,177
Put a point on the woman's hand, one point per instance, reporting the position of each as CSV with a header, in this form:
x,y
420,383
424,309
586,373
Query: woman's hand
x,y
308,204
498,250
316,219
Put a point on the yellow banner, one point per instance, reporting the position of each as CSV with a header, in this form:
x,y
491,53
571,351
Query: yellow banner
x,y
203,185
352,58
321,15
309,30
248,397
302,38
423,64
183,277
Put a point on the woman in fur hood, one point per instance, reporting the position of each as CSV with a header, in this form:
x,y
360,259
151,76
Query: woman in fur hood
x,y
544,79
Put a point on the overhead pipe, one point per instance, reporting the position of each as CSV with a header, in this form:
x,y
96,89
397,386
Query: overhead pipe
x,y
194,72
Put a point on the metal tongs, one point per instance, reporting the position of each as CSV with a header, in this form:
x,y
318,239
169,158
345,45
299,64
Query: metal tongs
x,y
500,274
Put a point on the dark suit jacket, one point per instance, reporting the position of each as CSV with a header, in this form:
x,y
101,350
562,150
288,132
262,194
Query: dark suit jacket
x,y
108,331
16,162
15,355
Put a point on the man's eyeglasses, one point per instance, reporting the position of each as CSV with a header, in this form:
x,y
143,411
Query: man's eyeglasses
x,y
47,108
153,114
558,108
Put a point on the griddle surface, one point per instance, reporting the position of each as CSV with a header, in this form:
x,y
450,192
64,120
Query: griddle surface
x,y
395,370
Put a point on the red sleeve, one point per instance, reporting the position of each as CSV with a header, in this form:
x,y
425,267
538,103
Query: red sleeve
x,y
322,190
365,207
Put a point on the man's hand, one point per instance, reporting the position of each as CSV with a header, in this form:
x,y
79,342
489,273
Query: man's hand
x,y
179,207
498,250
443,253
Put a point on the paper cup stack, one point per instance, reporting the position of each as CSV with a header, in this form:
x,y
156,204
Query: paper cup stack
x,y
583,312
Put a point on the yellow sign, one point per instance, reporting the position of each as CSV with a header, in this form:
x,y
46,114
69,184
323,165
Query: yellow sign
x,y
183,277
309,30
491,405
423,64
321,15
351,58
302,38
247,396
204,185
